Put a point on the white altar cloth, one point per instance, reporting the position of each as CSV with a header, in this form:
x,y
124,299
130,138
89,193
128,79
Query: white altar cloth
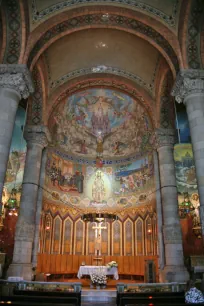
x,y
88,270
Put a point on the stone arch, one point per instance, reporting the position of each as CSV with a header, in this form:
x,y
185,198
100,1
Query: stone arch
x,y
125,22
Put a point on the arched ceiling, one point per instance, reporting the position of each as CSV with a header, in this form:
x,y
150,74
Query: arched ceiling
x,y
89,49
166,11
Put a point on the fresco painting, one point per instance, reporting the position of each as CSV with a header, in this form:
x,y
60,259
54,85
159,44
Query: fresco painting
x,y
186,182
15,168
108,188
101,122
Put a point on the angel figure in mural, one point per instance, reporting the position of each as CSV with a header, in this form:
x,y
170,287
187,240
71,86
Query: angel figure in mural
x,y
118,146
98,188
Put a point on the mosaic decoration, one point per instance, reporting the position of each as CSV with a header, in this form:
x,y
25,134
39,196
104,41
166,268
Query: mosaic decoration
x,y
188,198
13,35
194,30
104,69
133,4
36,114
112,188
101,122
98,19
166,112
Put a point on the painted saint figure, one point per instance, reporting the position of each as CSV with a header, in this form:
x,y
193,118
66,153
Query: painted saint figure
x,y
98,189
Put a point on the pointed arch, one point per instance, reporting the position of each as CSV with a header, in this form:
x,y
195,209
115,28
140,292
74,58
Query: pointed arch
x,y
139,236
117,238
128,237
67,236
56,236
79,238
47,237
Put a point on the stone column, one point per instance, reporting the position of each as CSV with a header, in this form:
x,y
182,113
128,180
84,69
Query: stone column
x,y
15,84
189,89
39,210
159,216
37,139
174,270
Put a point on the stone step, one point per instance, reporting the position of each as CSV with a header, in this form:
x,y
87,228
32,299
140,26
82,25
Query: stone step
x,y
101,295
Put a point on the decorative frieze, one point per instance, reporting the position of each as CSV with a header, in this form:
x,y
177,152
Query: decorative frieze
x,y
187,82
172,234
16,77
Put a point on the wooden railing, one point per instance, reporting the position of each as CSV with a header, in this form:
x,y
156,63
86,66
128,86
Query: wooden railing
x,y
69,264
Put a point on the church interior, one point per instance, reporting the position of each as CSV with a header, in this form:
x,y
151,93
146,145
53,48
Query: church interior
x,y
102,141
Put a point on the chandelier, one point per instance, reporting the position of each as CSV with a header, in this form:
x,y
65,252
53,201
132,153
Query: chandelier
x,y
185,207
98,217
12,203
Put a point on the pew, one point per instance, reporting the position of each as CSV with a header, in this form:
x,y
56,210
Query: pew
x,y
157,294
40,293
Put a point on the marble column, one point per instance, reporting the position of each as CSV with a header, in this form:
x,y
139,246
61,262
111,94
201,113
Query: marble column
x,y
39,210
37,139
161,254
15,84
174,269
189,89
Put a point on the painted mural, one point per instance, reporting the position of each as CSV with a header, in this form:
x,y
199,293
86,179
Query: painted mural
x,y
16,162
188,198
111,188
101,122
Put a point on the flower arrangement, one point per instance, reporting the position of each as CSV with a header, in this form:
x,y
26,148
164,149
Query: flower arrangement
x,y
112,264
99,279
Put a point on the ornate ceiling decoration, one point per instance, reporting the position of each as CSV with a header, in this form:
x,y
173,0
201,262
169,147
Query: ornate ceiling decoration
x,y
114,21
167,13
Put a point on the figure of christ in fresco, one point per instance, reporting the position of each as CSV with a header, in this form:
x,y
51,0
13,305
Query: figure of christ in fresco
x,y
98,189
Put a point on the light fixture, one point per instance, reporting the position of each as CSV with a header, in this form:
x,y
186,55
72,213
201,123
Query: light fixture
x,y
98,217
12,203
186,206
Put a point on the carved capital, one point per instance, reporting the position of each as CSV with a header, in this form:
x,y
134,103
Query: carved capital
x,y
24,230
16,77
165,137
172,234
37,135
187,82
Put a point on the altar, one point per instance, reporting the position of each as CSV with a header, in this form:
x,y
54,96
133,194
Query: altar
x,y
88,270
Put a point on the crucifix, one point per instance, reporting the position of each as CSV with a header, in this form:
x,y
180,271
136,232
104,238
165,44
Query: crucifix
x,y
98,227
